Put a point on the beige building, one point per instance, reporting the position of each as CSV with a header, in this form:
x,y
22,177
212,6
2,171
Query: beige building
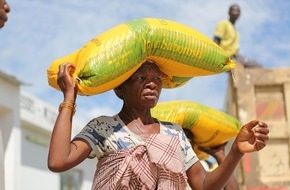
x,y
264,94
9,120
25,127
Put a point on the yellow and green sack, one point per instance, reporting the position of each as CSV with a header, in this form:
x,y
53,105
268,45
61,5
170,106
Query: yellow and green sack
x,y
210,127
110,58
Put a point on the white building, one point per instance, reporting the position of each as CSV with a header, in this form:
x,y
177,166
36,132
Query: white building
x,y
25,127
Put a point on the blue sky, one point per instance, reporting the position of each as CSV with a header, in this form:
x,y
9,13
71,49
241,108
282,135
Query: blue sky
x,y
39,31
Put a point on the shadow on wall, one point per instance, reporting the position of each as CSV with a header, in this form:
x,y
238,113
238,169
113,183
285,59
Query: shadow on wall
x,y
6,124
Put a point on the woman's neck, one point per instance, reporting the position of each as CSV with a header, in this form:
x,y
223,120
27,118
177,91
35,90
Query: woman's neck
x,y
143,116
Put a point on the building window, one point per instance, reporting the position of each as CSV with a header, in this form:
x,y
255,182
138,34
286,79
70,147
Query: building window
x,y
71,180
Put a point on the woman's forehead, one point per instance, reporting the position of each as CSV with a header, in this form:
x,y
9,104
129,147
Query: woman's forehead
x,y
152,66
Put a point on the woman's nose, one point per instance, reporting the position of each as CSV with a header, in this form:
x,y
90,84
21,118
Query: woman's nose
x,y
151,84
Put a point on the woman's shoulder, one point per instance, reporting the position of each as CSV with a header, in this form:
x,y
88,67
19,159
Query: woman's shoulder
x,y
171,125
104,120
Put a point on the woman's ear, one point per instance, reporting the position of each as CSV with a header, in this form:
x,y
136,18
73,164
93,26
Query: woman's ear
x,y
119,92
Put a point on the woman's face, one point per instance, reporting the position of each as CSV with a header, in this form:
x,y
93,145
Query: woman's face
x,y
143,88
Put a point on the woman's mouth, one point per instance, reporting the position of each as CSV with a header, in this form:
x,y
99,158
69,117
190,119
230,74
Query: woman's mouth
x,y
151,95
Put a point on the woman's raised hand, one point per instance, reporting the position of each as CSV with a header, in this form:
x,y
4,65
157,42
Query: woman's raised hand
x,y
252,137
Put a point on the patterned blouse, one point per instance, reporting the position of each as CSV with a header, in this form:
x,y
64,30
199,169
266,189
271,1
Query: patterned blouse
x,y
111,140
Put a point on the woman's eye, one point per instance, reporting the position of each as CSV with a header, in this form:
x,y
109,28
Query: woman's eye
x,y
159,78
141,78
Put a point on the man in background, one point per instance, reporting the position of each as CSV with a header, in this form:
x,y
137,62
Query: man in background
x,y
226,35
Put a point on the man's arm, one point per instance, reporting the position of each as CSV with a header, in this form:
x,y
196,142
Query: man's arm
x,y
217,40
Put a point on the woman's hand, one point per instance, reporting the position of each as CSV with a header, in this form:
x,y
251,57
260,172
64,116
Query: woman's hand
x,y
252,137
65,81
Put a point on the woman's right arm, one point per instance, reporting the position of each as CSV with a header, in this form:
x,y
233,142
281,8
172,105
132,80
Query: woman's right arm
x,y
64,153
219,154
251,137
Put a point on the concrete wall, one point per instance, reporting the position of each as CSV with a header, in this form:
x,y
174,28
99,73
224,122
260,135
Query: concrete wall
x,y
264,94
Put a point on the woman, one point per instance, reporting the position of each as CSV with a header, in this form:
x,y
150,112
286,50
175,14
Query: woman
x,y
135,150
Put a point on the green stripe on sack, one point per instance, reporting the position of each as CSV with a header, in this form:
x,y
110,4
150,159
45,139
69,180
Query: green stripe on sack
x,y
123,49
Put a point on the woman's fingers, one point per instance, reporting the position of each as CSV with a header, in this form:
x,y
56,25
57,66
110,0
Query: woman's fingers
x,y
260,145
253,136
64,77
261,132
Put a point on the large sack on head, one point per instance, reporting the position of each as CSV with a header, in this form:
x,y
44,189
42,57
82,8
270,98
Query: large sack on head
x,y
210,127
113,56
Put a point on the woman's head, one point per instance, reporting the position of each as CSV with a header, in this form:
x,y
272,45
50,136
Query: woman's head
x,y
143,88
